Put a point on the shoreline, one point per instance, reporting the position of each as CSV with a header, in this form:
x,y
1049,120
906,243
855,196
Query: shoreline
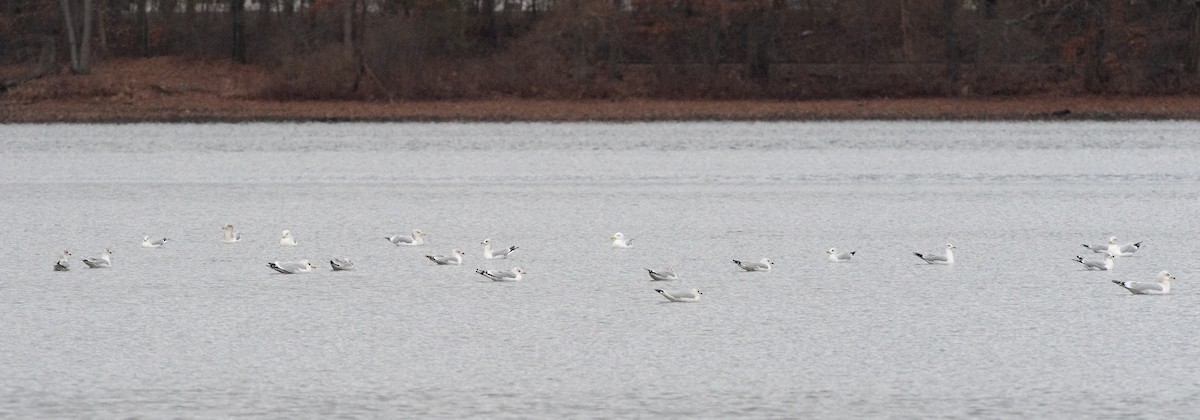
x,y
192,108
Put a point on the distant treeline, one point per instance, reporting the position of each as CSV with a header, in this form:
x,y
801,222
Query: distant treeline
x,y
769,49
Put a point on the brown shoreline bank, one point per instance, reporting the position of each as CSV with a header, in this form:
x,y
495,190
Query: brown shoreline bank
x,y
171,89
207,108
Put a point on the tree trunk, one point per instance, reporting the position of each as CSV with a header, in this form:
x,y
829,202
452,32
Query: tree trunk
x,y
69,28
143,30
949,10
1192,52
85,40
79,42
238,13
1095,74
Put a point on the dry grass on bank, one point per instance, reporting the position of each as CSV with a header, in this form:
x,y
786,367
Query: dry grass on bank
x,y
176,89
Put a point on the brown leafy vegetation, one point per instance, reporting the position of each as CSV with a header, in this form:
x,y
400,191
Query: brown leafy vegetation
x,y
375,52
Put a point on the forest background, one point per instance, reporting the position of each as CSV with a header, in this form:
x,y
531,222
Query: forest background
x,y
389,51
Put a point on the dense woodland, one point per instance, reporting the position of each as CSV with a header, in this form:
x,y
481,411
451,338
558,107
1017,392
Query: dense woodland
x,y
770,49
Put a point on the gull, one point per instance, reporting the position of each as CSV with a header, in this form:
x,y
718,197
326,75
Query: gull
x,y
287,239
228,235
454,258
1105,265
939,259
762,265
1125,250
414,240
62,264
147,243
681,296
619,241
836,256
663,275
488,253
503,275
1160,287
1115,249
104,261
292,267
341,264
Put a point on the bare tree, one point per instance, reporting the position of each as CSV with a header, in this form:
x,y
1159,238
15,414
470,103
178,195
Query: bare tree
x,y
237,10
81,61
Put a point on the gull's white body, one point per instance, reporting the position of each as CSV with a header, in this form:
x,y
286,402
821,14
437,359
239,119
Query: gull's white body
x,y
228,235
147,243
341,264
663,275
835,256
1103,265
619,241
62,264
292,267
416,239
455,258
287,239
104,261
1161,285
931,258
681,296
516,274
762,265
500,254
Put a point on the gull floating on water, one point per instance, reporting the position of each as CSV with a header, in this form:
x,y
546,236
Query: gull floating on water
x,y
292,267
762,265
619,241
147,243
1160,287
287,239
836,256
1115,249
62,264
455,258
503,253
681,296
341,264
503,275
228,235
663,275
414,240
932,258
1103,265
104,261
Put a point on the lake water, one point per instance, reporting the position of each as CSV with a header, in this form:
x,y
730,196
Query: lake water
x,y
203,329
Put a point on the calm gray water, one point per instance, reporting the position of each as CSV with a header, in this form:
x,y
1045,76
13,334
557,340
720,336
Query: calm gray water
x,y
204,329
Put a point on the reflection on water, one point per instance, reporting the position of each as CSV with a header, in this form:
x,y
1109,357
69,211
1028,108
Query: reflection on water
x,y
198,328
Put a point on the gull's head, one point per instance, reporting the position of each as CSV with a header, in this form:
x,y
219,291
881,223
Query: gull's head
x,y
66,253
487,241
309,264
107,251
698,292
950,246
519,270
227,227
418,232
831,251
287,233
459,253
616,236
145,238
1165,276
767,261
1112,239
